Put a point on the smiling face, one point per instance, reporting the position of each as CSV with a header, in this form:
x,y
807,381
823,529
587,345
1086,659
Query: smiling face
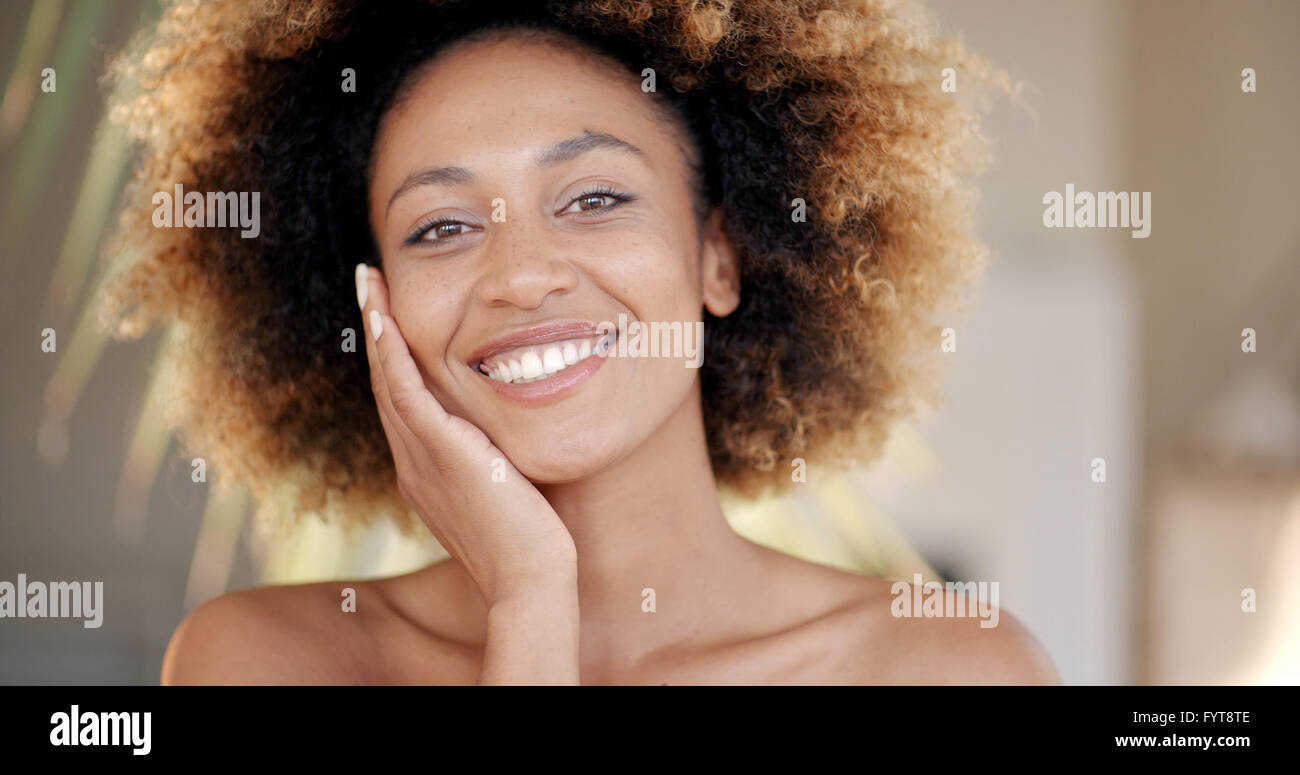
x,y
521,195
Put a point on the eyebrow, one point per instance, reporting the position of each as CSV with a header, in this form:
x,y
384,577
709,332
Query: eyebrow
x,y
564,150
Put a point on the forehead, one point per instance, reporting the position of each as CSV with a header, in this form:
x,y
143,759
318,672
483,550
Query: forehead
x,y
490,98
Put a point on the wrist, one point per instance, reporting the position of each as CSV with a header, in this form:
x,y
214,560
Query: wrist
x,y
555,588
532,637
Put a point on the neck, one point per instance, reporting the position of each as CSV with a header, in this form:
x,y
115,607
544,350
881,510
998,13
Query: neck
x,y
653,521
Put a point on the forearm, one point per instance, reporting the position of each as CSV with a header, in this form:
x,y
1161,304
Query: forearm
x,y
532,637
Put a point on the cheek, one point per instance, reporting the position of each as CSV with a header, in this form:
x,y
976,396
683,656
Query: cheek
x,y
654,275
423,306
657,279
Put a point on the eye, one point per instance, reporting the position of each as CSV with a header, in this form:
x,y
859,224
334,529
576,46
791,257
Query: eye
x,y
597,200
442,229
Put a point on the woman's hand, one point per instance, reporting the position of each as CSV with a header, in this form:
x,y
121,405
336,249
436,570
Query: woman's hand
x,y
504,533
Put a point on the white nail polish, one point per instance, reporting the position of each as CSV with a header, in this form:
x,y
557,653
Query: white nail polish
x,y
363,285
376,325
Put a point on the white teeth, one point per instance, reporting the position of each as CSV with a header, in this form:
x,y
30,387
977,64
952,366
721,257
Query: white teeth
x,y
531,365
552,360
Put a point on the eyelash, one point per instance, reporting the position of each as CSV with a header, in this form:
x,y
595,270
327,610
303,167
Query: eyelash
x,y
425,227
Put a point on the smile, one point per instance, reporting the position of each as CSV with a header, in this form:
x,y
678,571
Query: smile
x,y
533,363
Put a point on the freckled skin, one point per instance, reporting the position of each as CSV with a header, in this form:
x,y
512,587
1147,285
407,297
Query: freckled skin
x,y
623,461
642,259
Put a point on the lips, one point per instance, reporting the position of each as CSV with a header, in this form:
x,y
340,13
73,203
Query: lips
x,y
539,352
533,362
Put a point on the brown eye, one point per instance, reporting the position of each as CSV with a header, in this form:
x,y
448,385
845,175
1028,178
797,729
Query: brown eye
x,y
449,229
597,201
438,231
594,201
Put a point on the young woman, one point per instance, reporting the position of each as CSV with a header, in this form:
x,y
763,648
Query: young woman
x,y
511,179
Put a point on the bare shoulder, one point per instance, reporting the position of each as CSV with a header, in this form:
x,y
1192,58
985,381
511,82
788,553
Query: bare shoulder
x,y
944,635
293,634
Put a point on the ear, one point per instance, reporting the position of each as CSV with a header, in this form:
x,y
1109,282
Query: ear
x,y
719,269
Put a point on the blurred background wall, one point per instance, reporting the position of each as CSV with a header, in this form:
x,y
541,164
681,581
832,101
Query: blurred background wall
x,y
1081,344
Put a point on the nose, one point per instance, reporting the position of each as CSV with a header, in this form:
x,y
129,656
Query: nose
x,y
524,265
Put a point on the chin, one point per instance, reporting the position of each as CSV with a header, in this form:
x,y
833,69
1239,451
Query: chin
x,y
570,459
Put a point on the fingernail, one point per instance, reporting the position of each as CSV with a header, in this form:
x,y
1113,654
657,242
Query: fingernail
x,y
363,287
376,325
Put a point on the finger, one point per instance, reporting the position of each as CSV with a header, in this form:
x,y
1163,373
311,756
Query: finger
x,y
407,393
394,428
412,401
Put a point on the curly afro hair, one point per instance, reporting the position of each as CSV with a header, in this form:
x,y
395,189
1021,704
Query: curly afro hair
x,y
836,104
